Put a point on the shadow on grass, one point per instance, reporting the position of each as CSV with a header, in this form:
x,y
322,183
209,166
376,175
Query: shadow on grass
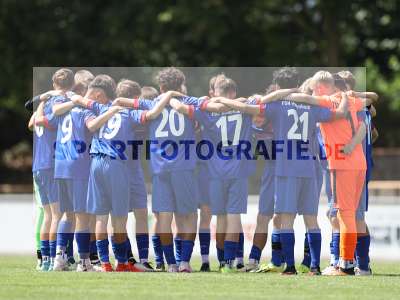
x,y
386,275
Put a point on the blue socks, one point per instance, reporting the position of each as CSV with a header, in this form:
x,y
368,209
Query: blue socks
x,y
220,255
362,252
45,247
102,248
287,241
93,247
335,248
307,257
120,252
142,241
64,228
205,238
169,254
187,249
240,247
314,240
70,245
255,253
158,252
53,248
230,249
83,242
178,249
276,248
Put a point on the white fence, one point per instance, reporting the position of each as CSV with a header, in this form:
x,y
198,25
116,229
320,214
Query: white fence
x,y
17,216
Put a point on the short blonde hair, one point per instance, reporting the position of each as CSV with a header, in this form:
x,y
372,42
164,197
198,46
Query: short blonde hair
x,y
349,78
224,85
322,77
83,76
149,92
82,80
128,88
306,86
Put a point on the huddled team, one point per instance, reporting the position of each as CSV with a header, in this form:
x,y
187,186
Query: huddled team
x,y
90,134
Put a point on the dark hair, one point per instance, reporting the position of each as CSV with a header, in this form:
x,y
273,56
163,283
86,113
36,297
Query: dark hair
x,y
224,85
286,78
149,92
340,83
105,83
170,79
271,88
128,89
63,78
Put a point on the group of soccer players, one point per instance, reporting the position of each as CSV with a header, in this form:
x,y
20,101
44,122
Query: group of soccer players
x,y
90,133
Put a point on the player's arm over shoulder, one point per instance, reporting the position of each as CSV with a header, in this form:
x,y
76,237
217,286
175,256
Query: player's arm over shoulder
x,y
166,98
94,124
308,99
240,105
360,100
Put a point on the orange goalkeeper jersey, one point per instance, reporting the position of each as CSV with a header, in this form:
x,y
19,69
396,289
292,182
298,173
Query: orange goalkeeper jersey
x,y
338,133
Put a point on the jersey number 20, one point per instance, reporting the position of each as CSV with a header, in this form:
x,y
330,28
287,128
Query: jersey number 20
x,y
169,117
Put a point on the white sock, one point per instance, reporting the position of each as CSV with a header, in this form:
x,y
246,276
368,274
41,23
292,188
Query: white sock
x,y
252,261
239,260
205,259
184,265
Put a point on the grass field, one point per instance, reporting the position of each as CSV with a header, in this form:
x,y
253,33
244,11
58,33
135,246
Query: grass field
x,y
19,280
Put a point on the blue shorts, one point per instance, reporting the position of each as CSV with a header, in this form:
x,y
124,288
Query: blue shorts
x,y
296,195
203,184
328,188
319,177
175,191
47,189
361,209
109,187
229,196
72,194
267,190
138,193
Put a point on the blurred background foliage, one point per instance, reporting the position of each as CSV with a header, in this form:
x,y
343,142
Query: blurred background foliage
x,y
196,33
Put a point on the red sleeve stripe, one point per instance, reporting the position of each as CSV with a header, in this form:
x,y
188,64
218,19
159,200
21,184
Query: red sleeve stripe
x,y
203,105
262,108
90,104
258,101
143,117
46,122
135,103
191,112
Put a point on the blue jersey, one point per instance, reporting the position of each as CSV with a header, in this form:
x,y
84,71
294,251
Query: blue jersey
x,y
229,134
265,134
295,136
172,138
72,144
365,116
115,138
44,138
